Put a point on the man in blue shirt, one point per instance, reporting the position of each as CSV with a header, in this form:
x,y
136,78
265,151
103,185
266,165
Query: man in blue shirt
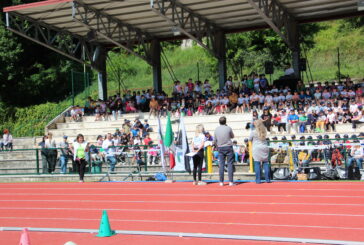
x,y
292,122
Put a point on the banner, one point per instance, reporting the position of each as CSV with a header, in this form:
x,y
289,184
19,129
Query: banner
x,y
181,149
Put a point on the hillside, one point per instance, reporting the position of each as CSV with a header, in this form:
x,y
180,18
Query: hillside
x,y
136,74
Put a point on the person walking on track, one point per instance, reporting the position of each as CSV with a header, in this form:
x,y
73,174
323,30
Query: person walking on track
x,y
80,148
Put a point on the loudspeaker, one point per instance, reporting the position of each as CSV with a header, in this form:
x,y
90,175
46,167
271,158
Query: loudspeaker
x,y
302,64
269,67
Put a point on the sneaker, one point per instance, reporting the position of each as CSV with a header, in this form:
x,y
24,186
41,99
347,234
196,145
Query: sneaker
x,y
221,183
232,184
194,182
81,181
202,183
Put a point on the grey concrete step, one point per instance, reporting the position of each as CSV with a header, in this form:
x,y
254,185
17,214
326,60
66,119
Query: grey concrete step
x,y
112,177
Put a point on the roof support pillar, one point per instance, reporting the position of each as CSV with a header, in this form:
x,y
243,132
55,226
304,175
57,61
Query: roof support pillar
x,y
283,23
293,37
155,53
220,52
99,64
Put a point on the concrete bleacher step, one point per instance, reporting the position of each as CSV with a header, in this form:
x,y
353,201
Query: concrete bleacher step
x,y
112,177
17,155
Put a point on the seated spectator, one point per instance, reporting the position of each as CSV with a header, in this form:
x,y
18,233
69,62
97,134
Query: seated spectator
x,y
292,122
152,153
357,156
320,122
330,120
109,149
358,118
7,142
302,121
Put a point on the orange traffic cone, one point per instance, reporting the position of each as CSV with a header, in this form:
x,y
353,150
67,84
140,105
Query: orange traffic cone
x,y
24,238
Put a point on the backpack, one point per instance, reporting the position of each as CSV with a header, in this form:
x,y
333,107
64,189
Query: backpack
x,y
160,177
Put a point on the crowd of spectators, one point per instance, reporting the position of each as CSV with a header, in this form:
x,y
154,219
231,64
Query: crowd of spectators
x,y
346,148
314,108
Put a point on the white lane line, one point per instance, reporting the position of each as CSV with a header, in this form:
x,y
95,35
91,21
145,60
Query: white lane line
x,y
191,189
189,202
171,195
194,235
182,211
190,222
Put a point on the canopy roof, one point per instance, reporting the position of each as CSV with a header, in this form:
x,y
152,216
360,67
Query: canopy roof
x,y
227,15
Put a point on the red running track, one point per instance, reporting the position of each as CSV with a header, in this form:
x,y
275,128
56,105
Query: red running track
x,y
312,210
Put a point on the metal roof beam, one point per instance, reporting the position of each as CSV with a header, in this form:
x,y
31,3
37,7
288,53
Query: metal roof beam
x,y
276,16
63,42
178,17
121,34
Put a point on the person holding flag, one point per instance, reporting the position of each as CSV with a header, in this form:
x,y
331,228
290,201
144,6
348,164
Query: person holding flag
x,y
198,143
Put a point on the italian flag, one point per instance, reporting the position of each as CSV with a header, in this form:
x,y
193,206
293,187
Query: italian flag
x,y
168,142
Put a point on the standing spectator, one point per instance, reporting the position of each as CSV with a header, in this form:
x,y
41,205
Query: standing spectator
x,y
222,139
198,143
233,101
207,86
51,145
80,148
44,154
260,151
108,146
7,140
63,159
267,119
153,107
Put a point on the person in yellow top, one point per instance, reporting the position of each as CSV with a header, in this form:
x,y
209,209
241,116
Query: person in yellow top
x,y
233,99
80,148
304,158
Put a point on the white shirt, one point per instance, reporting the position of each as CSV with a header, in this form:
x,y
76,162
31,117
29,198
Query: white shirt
x,y
353,108
240,100
288,71
50,143
331,117
197,140
106,144
7,138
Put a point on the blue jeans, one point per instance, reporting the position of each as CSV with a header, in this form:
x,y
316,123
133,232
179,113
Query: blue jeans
x,y
226,153
236,155
63,162
112,162
258,170
359,162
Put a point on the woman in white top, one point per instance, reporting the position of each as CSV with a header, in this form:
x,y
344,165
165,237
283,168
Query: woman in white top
x,y
80,148
198,143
